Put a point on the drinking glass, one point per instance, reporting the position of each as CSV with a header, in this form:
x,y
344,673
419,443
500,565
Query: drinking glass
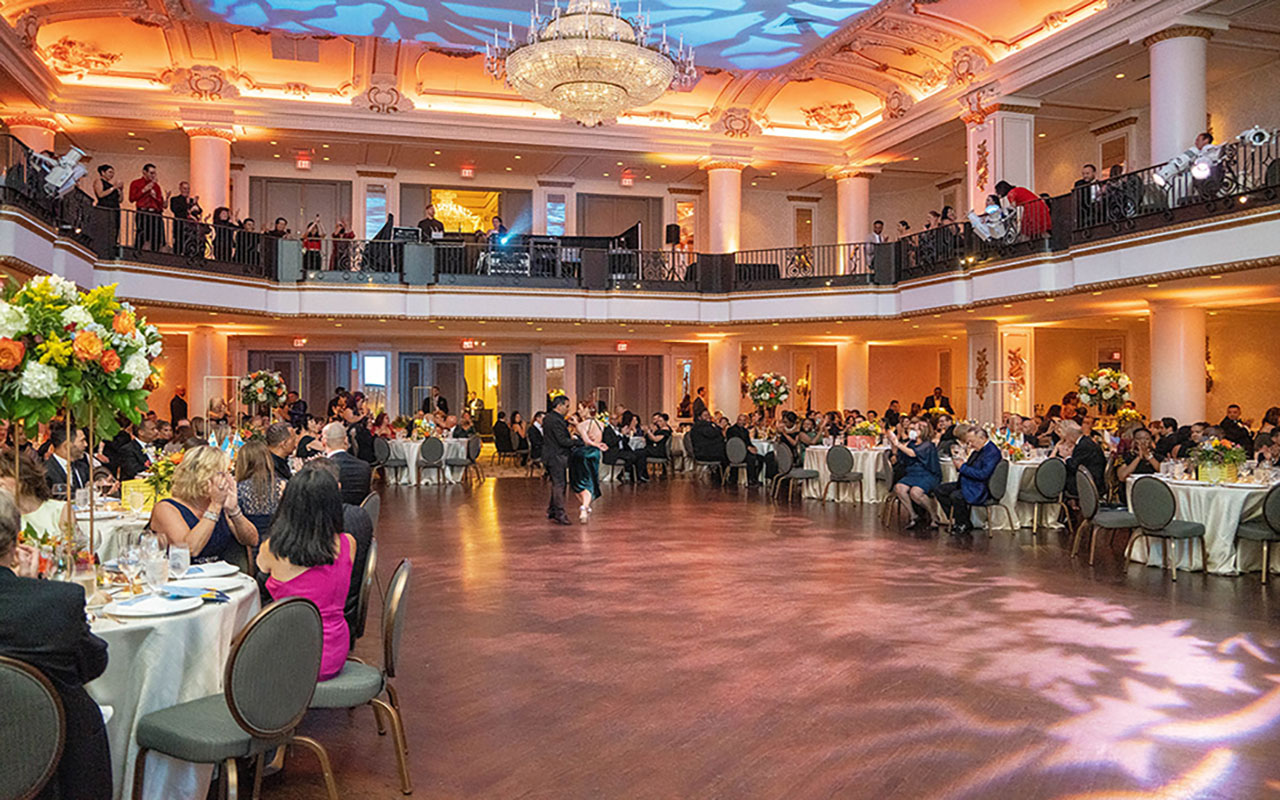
x,y
84,575
155,571
130,563
179,560
150,544
135,500
82,497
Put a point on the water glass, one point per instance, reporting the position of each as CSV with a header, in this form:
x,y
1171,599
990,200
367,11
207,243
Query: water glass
x,y
150,544
135,500
155,571
85,575
82,497
179,560
130,563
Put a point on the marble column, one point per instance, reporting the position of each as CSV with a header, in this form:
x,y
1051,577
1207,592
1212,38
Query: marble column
x,y
1177,362
1178,106
853,213
206,355
35,132
982,372
724,365
724,193
1001,136
210,167
852,389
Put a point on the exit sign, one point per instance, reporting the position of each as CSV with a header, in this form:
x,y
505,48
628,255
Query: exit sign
x,y
621,347
468,171
299,341
470,344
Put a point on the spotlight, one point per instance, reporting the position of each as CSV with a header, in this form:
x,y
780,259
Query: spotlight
x,y
1201,168
62,173
1176,165
1256,136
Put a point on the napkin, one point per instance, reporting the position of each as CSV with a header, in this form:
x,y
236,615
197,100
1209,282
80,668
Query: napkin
x,y
175,592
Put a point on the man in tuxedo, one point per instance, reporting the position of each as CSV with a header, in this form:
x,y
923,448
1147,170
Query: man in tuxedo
x,y
557,444
877,232
132,456
178,406
618,440
435,402
957,496
699,404
295,409
502,434
42,623
739,430
892,415
938,400
354,474
67,464
1235,431
1078,451
534,434
707,440
281,441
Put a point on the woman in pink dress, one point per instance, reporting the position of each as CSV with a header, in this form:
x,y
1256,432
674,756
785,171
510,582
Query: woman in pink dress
x,y
307,555
1035,211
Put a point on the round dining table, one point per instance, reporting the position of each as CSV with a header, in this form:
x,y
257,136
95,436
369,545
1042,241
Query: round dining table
x,y
407,449
1021,475
110,535
865,462
1219,507
157,662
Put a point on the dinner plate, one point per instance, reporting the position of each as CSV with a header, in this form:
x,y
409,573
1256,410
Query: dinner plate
x,y
214,584
152,606
214,569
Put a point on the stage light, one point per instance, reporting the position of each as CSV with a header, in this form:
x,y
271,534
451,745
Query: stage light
x,y
1256,136
1175,166
62,173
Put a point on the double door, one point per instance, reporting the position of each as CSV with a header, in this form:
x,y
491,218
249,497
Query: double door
x,y
313,375
420,371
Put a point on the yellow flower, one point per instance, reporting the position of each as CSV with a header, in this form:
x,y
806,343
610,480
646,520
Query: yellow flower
x,y
56,351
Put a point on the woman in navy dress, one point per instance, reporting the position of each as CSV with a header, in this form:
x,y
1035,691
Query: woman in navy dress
x,y
923,472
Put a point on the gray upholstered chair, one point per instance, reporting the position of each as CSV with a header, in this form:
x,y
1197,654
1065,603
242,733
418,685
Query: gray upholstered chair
x,y
891,505
1094,516
1043,487
1265,530
1155,507
840,470
33,728
431,456
372,505
268,682
736,451
361,684
692,460
366,591
384,458
787,471
470,463
997,484
665,461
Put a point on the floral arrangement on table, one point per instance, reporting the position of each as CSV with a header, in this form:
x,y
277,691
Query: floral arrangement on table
x,y
422,428
936,411
160,478
769,390
1129,416
1010,444
1218,460
603,417
263,388
864,434
401,423
1105,388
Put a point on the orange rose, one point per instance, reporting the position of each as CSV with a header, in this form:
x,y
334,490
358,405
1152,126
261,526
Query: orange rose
x,y
11,353
176,458
110,361
87,346
123,323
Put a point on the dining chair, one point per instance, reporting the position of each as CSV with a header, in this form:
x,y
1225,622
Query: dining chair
x,y
502,448
431,456
33,728
736,451
891,504
1155,507
534,461
840,471
997,485
384,458
470,463
787,471
665,460
268,683
372,505
692,460
1044,487
366,590
1095,516
361,684
1264,530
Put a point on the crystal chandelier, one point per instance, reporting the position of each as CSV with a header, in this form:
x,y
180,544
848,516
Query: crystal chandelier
x,y
589,62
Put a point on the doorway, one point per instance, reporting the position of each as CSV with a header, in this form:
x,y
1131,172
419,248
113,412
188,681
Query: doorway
x,y
632,381
313,375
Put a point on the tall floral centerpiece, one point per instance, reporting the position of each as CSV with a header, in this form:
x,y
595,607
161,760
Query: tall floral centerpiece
x,y
1105,388
1218,460
263,389
768,391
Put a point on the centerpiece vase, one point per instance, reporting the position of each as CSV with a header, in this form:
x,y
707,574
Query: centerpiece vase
x,y
1217,473
857,442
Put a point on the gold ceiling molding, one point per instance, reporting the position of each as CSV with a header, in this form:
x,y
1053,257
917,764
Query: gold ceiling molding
x,y
213,133
851,172
714,163
1012,108
1177,32
947,184
1114,126
32,121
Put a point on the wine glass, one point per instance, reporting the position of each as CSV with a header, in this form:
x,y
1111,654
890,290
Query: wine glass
x,y
130,563
179,560
155,570
135,500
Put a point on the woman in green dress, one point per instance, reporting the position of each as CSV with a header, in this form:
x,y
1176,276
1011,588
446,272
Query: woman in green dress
x,y
584,461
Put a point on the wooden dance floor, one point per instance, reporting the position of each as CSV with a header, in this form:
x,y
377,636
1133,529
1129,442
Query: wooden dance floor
x,y
693,643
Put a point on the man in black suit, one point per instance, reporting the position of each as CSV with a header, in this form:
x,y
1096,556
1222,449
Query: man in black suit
x,y
618,440
178,406
131,457
739,430
435,402
1235,431
42,623
1078,451
938,400
892,415
707,440
534,434
281,440
699,404
354,474
502,434
66,458
557,444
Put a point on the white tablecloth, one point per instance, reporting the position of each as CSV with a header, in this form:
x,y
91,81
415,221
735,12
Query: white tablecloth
x,y
408,450
865,462
110,535
159,662
1023,513
1219,508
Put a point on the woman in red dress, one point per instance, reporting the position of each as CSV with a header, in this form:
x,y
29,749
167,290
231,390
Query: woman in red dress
x,y
1035,212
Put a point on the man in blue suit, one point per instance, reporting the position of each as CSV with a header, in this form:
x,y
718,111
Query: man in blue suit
x,y
971,489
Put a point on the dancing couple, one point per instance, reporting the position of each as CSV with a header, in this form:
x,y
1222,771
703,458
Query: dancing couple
x,y
572,443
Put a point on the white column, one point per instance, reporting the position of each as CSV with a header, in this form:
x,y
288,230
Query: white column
x,y
239,204
724,190
210,167
206,355
853,376
982,370
853,205
1177,362
1001,136
35,132
724,363
1178,105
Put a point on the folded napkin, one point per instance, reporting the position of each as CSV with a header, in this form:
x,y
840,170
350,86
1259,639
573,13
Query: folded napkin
x,y
174,592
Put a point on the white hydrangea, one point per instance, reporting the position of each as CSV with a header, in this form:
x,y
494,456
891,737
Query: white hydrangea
x,y
155,349
38,380
13,320
77,315
138,370
59,285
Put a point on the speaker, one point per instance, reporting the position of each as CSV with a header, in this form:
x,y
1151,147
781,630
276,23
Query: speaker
x,y
673,234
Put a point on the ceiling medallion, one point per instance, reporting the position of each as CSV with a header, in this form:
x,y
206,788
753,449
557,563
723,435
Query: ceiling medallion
x,y
589,62
832,117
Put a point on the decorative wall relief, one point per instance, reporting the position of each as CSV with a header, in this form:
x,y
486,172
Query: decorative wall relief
x,y
201,82
966,63
69,57
1016,372
735,123
27,26
982,170
897,104
832,117
383,97
980,376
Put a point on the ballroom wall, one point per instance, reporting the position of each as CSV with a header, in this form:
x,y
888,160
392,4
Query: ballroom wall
x,y
1243,348
1063,354
907,373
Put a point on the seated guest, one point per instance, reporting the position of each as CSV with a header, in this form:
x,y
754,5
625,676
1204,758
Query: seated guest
x,y
356,474
164,433
922,473
47,515
356,524
1270,421
258,484
1141,460
465,428
43,624
204,513
809,435
502,434
707,440
382,426
307,555
1188,437
133,455
1078,451
739,430
892,414
67,464
279,438
309,444
618,439
1168,439
534,435
1235,431
957,496
1030,434
1266,448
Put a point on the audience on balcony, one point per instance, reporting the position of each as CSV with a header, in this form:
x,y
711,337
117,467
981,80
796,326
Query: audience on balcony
x,y
149,201
1035,212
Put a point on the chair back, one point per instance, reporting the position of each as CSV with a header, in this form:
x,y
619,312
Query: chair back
x,y
839,461
33,728
736,450
884,469
782,454
431,451
381,450
393,613
1153,503
473,448
366,588
999,480
687,441
372,505
1087,491
1271,508
502,440
272,670
1051,477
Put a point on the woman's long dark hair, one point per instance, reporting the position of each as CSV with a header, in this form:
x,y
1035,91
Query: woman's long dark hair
x,y
1272,417
307,519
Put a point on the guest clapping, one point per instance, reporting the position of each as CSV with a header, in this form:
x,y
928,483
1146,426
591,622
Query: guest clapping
x,y
204,513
